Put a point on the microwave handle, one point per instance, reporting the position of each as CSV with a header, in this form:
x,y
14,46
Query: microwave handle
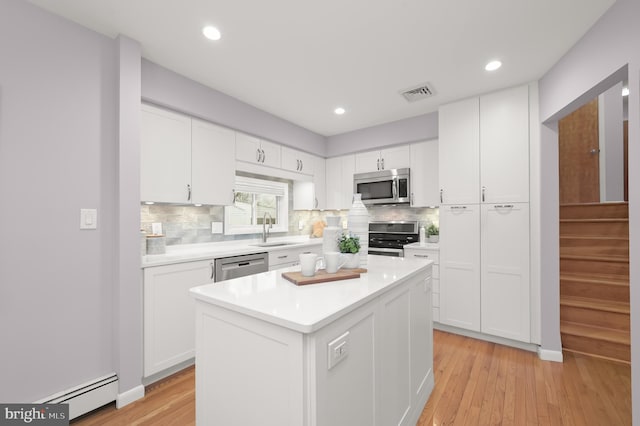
x,y
394,189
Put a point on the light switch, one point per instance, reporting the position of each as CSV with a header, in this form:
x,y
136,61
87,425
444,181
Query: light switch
x,y
88,219
338,349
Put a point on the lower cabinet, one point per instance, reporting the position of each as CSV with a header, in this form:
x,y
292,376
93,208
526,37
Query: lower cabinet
x,y
169,313
428,252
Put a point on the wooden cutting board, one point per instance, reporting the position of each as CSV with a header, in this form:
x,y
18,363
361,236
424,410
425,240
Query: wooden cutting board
x,y
322,276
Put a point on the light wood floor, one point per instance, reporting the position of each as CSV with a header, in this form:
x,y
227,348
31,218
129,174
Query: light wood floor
x,y
477,383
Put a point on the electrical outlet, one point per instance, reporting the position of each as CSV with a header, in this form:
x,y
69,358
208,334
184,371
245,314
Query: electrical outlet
x,y
338,349
300,225
88,219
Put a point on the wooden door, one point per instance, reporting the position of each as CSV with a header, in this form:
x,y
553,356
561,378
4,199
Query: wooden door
x,y
579,156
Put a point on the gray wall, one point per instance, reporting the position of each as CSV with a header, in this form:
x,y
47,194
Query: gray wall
x,y
58,97
610,126
166,88
420,128
600,59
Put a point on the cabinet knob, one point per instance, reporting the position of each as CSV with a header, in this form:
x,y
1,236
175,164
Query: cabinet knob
x,y
441,191
188,192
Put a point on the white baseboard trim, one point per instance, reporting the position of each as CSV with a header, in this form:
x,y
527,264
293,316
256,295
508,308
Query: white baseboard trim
x,y
531,347
548,355
129,396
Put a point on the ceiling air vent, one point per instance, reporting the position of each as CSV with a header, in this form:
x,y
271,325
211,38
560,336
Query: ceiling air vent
x,y
417,93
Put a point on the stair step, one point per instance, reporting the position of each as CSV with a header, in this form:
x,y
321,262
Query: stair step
x,y
595,228
577,211
588,265
603,287
594,246
596,341
595,304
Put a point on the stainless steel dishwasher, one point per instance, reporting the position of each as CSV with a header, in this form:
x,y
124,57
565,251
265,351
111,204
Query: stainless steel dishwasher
x,y
240,266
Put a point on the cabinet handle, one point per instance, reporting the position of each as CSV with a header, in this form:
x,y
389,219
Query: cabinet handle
x,y
382,164
484,188
233,196
421,255
411,203
258,155
283,256
378,161
441,191
212,270
458,207
301,165
188,192
263,155
315,206
503,206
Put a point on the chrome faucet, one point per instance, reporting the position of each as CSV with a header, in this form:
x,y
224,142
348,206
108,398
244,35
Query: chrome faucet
x,y
265,230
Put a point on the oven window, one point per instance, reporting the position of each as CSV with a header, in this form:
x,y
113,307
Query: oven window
x,y
376,190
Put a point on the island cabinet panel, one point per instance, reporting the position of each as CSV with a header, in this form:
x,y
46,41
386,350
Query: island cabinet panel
x,y
368,364
169,336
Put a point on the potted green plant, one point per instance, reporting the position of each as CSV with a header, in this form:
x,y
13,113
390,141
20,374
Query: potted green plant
x,y
349,246
434,233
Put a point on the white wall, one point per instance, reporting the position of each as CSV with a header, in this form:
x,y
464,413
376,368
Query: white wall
x,y
604,56
166,88
57,154
610,129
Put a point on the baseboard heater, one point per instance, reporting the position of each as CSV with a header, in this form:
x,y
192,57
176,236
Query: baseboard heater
x,y
86,397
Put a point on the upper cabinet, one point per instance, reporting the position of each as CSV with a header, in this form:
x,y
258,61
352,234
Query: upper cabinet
x,y
213,169
165,152
424,174
504,146
310,195
297,161
258,151
459,151
339,172
184,160
484,148
386,159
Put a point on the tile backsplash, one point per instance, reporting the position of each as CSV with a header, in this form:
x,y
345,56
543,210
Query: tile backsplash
x,y
190,224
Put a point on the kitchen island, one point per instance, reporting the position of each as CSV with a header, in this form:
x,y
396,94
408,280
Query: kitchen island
x,y
351,352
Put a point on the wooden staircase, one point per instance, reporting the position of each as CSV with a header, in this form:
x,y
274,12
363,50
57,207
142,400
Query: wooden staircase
x,y
594,280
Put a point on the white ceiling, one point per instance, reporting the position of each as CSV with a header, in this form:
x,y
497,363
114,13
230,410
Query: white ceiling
x,y
299,59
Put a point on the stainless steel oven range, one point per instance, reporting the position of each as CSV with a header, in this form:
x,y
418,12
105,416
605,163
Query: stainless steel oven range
x,y
388,238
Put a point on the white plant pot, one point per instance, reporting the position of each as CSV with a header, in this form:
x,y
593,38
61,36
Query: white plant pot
x,y
353,260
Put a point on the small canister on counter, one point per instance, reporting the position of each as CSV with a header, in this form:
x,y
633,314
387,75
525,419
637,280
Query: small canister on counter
x,y
156,244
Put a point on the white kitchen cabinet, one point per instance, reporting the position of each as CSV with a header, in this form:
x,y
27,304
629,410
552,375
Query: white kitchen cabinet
x,y
320,183
339,171
505,296
165,153
279,259
311,195
428,252
504,146
424,174
460,266
169,313
386,159
213,164
459,152
297,161
258,151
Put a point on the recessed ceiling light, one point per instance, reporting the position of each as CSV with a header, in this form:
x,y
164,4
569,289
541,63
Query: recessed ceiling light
x,y
493,65
625,91
212,33
339,111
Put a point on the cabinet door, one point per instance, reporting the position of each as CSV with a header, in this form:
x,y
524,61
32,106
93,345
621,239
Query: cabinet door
x,y
395,158
319,182
505,303
424,174
421,336
271,154
339,172
460,266
504,146
248,148
165,156
169,313
368,162
459,152
213,164
297,161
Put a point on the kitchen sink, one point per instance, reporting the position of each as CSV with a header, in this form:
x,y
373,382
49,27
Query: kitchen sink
x,y
273,244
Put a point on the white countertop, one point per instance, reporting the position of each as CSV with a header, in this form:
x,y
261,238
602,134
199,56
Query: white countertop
x,y
204,251
270,297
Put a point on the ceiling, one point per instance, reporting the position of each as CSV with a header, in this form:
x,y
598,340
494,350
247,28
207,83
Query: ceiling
x,y
299,59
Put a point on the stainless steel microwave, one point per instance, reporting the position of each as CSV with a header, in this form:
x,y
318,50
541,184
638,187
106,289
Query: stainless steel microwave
x,y
383,187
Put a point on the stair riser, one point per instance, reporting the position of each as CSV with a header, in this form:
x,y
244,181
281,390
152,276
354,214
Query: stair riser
x,y
581,247
587,267
594,211
597,291
603,348
591,317
595,229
